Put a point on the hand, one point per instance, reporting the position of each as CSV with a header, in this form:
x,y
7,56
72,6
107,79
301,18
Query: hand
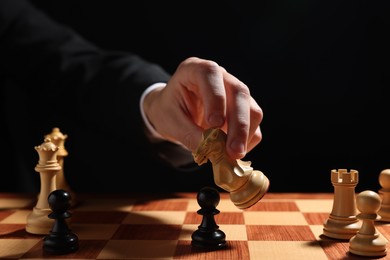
x,y
201,95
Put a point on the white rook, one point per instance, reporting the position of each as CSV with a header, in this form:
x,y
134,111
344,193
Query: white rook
x,y
342,222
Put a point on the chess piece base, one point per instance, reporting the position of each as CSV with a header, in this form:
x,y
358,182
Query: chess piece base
x,y
208,240
365,245
251,192
38,223
341,229
384,212
59,245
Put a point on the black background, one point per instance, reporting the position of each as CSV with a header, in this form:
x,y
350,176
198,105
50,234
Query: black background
x,y
318,69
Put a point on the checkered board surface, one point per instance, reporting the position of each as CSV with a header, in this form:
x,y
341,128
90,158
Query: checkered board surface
x,y
280,226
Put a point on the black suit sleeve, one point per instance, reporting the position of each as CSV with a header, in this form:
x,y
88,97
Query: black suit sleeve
x,y
52,62
92,94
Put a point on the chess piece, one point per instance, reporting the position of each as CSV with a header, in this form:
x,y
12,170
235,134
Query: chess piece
x,y
245,185
342,222
48,167
384,181
58,138
367,241
60,240
208,235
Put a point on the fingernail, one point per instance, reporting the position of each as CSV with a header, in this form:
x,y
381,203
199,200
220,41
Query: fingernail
x,y
216,120
238,147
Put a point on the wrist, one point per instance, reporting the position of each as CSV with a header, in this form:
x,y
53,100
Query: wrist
x,y
146,103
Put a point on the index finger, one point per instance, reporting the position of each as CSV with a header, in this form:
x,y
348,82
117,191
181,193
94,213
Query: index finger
x,y
206,79
238,115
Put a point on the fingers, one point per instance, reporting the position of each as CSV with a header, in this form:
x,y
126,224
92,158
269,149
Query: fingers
x,y
255,134
194,100
205,78
244,116
201,95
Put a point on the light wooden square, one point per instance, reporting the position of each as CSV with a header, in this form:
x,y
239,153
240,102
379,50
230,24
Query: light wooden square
x,y
289,250
274,218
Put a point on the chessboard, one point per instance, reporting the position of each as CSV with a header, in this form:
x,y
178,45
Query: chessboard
x,y
159,226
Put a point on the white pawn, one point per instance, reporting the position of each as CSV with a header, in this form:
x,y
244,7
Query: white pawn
x,y
367,241
384,181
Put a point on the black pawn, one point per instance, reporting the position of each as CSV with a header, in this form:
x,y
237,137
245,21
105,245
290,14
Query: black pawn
x,y
60,240
208,235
